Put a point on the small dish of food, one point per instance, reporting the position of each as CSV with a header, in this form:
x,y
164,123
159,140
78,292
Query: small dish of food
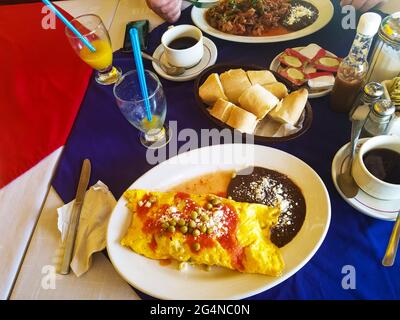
x,y
254,101
262,21
310,67
243,221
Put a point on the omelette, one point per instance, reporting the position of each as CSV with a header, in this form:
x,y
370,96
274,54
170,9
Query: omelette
x,y
203,229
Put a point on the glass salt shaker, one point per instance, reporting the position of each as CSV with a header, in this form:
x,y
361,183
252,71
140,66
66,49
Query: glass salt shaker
x,y
385,59
379,119
371,93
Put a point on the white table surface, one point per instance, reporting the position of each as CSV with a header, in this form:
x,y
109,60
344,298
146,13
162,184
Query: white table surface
x,y
29,238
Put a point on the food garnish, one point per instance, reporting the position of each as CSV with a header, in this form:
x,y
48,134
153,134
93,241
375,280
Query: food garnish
x,y
205,230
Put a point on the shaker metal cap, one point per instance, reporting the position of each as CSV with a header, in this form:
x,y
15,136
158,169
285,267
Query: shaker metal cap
x,y
369,24
390,28
374,89
384,108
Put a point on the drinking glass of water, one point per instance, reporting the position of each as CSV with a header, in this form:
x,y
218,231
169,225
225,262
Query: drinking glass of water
x,y
129,99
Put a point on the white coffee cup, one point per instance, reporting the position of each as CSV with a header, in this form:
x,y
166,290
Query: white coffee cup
x,y
367,181
186,58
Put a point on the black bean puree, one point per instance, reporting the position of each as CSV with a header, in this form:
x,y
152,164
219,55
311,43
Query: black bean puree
x,y
266,187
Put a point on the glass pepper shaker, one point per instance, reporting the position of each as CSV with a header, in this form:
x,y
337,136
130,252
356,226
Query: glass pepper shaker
x,y
371,93
378,120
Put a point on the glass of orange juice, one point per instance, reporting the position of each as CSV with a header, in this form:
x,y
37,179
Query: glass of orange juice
x,y
93,29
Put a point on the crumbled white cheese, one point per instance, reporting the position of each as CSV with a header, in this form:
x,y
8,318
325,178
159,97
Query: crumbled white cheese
x,y
298,12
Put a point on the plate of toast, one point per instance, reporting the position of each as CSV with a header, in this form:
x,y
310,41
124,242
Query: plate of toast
x,y
253,100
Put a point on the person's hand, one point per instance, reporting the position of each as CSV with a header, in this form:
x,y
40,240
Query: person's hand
x,y
169,10
363,5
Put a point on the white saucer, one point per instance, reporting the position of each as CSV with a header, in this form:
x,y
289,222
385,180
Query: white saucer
x,y
209,58
275,64
364,203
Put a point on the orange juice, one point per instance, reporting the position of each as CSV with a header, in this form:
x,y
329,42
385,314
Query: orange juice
x,y
101,58
154,124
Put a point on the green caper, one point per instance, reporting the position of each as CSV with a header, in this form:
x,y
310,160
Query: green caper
x,y
215,202
153,199
165,225
210,230
181,222
172,223
198,210
209,206
204,218
184,229
171,229
203,228
192,224
182,265
196,246
196,232
194,215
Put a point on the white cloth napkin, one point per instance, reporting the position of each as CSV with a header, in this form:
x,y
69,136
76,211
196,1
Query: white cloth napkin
x,y
91,236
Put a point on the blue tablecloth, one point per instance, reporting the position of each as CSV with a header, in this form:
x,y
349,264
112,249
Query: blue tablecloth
x,y
103,135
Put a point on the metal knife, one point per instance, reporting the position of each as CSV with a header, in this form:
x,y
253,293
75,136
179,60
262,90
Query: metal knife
x,y
69,243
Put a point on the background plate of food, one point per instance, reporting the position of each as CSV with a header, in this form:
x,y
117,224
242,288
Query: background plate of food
x,y
251,247
310,67
254,101
263,21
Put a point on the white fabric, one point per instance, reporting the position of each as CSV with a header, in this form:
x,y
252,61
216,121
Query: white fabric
x,y
20,205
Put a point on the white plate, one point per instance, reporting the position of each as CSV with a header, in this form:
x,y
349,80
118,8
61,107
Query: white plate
x,y
167,282
325,8
209,58
363,202
275,64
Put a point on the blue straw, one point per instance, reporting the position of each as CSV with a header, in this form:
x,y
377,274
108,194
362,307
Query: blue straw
x,y
140,70
69,25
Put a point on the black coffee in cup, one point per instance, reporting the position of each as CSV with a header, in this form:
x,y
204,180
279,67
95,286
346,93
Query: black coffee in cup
x,y
182,43
384,164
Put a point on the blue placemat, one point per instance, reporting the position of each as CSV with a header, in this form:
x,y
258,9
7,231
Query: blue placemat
x,y
102,134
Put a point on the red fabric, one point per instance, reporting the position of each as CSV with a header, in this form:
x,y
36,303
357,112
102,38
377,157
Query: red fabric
x,y
42,84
